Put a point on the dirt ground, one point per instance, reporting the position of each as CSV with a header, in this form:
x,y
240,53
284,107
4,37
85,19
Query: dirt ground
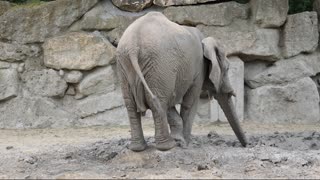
x,y
101,152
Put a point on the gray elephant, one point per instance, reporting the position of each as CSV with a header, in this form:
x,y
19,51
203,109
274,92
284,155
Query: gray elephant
x,y
161,64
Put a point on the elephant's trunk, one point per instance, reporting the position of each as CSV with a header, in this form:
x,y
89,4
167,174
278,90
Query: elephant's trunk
x,y
225,102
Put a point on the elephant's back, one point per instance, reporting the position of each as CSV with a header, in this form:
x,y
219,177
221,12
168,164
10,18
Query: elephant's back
x,y
167,53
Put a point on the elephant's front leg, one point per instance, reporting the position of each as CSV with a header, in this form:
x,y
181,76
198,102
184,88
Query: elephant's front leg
x,y
188,110
176,126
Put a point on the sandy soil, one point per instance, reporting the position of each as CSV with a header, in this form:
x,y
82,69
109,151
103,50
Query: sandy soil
x,y
101,152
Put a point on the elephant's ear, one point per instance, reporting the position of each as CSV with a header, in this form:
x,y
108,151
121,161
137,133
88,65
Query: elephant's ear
x,y
215,73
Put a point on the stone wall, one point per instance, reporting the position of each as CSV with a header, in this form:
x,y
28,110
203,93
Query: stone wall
x,y
57,66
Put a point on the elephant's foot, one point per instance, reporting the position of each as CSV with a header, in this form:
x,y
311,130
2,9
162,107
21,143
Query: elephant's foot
x,y
138,145
165,145
178,137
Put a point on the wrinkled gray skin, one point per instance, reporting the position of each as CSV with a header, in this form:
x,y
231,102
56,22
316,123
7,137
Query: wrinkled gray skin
x,y
161,64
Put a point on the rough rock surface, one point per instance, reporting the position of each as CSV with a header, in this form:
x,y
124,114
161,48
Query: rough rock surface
x,y
98,104
4,6
116,116
9,84
282,72
73,77
17,52
271,13
106,16
300,33
266,47
213,14
236,37
34,24
34,112
46,82
296,102
4,65
78,50
165,3
98,82
132,6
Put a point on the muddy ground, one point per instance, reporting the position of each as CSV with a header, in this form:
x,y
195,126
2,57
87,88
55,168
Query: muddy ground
x,y
101,152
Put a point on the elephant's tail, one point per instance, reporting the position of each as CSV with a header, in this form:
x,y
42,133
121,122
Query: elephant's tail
x,y
133,55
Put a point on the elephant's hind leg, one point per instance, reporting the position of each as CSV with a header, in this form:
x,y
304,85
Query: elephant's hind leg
x,y
176,127
138,142
163,139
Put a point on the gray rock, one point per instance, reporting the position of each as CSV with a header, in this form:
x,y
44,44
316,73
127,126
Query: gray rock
x,y
209,110
271,13
98,82
266,47
132,6
221,14
34,112
17,52
165,3
78,50
4,65
106,16
316,80
114,117
114,35
51,115
71,90
300,33
34,24
4,6
9,84
258,74
296,102
46,82
73,77
98,104
237,37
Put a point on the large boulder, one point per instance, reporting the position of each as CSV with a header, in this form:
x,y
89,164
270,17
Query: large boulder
x,y
90,106
113,117
9,84
46,82
132,6
106,16
270,13
17,52
209,110
300,33
34,24
258,74
237,37
266,47
4,6
34,112
165,3
221,14
296,102
100,81
78,50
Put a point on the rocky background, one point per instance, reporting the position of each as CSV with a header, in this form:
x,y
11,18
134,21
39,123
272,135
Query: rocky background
x,y
57,66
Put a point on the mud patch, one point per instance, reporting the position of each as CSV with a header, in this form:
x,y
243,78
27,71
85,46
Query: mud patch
x,y
214,155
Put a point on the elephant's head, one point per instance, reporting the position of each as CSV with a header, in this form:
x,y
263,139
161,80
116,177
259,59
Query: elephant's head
x,y
217,83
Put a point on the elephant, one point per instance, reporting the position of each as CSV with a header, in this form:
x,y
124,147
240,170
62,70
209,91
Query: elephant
x,y
161,64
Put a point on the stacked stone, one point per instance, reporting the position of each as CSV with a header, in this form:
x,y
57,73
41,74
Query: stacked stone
x,y
57,66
